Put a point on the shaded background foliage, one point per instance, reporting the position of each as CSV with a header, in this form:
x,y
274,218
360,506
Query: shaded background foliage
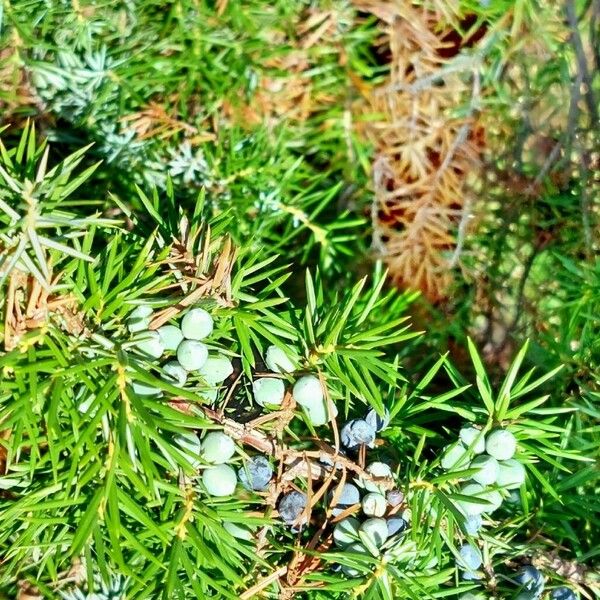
x,y
457,141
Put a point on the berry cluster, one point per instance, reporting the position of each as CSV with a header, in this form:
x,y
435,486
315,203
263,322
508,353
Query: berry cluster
x,y
493,471
186,353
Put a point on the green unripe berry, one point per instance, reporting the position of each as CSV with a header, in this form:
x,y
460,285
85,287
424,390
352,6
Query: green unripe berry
x,y
145,389
455,457
190,446
139,319
374,504
174,373
150,344
192,354
494,497
278,361
219,480
217,447
501,444
308,392
170,336
375,530
473,439
475,491
317,415
196,324
511,474
487,469
238,531
216,369
346,532
268,390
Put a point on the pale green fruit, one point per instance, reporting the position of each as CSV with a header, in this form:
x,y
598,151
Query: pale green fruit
x,y
192,355
501,444
190,446
219,480
268,390
308,392
150,344
170,336
374,504
139,319
216,369
217,447
487,469
317,415
196,324
511,474
238,531
278,361
375,530
455,457
346,532
473,439
494,497
379,470
145,389
475,491
174,373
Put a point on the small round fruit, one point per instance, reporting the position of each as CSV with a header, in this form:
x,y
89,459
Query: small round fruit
x,y
196,324
268,391
455,457
192,355
511,474
494,497
357,548
139,319
470,596
217,447
475,491
170,336
216,369
374,504
562,593
396,525
256,474
377,422
219,480
472,524
470,558
473,439
394,498
174,373
318,415
348,496
376,530
145,389
278,361
346,532
530,579
150,344
488,469
190,446
308,392
291,506
378,470
356,433
238,531
501,444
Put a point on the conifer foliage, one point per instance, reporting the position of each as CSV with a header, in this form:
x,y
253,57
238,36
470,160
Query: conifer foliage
x,y
215,218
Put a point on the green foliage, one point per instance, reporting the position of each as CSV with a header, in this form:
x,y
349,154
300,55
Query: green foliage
x,y
182,171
